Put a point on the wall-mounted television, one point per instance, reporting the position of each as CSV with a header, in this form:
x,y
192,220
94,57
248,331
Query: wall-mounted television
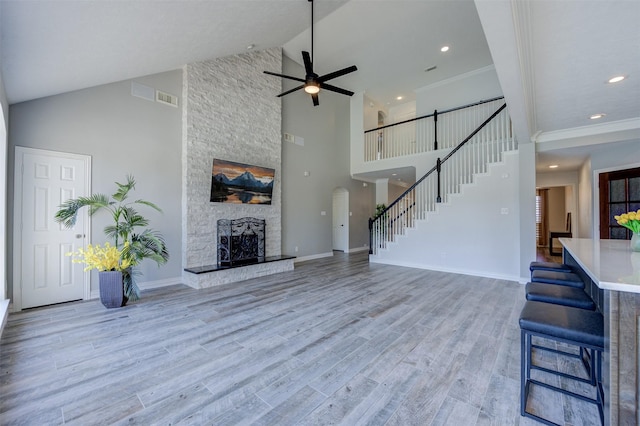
x,y
240,183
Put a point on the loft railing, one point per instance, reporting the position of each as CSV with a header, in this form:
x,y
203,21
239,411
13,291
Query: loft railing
x,y
440,130
484,145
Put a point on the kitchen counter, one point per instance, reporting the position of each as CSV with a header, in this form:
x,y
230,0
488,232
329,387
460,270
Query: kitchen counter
x,y
611,272
610,263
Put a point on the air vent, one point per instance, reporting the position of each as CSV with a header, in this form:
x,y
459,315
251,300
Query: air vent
x,y
166,98
431,68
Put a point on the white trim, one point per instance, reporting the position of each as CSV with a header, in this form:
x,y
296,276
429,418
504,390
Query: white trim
x,y
595,188
147,285
312,257
357,249
4,314
594,134
17,209
485,274
166,282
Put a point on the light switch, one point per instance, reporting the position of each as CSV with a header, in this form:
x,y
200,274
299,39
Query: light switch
x,y
323,213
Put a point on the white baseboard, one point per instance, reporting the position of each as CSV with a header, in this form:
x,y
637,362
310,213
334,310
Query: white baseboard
x,y
4,313
146,285
313,256
357,249
484,274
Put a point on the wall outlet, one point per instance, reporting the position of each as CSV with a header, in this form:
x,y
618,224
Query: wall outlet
x,y
323,213
504,210
296,249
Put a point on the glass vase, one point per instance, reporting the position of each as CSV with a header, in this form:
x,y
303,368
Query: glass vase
x,y
635,241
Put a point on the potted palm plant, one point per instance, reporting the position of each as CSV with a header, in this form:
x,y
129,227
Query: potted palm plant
x,y
131,243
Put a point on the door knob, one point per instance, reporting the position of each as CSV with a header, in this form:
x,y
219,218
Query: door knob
x,y
79,235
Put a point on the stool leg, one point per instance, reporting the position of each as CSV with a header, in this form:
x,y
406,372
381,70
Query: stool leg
x,y
599,388
523,380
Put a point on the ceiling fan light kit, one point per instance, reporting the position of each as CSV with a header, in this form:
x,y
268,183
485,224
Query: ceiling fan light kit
x,y
312,81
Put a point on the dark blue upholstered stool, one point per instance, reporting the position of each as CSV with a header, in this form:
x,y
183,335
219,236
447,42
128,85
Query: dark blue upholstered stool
x,y
549,266
573,326
560,278
559,295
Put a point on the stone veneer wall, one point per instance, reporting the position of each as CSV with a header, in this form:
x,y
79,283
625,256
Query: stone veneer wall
x,y
230,112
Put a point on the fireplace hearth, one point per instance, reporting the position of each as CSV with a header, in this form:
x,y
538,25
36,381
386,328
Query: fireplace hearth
x,y
241,241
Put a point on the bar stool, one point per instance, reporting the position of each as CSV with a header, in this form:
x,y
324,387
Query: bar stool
x,y
559,295
569,279
579,327
549,266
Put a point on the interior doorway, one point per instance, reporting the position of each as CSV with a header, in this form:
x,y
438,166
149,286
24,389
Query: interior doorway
x,y
555,207
341,219
43,274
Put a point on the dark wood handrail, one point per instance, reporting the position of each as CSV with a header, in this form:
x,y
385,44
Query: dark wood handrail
x,y
436,113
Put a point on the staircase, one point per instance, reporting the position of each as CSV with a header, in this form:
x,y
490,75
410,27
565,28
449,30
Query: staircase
x,y
461,216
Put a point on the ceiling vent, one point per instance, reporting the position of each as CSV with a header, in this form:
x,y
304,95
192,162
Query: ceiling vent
x,y
166,98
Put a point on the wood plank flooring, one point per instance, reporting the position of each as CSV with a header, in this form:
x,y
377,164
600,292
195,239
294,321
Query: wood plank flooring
x,y
336,341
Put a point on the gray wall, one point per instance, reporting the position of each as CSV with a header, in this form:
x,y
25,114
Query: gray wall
x,y
4,249
325,155
123,135
231,113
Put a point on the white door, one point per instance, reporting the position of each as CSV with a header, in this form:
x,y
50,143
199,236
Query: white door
x,y
341,219
43,274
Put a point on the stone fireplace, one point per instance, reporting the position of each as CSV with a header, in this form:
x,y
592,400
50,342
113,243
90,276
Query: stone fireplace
x,y
228,115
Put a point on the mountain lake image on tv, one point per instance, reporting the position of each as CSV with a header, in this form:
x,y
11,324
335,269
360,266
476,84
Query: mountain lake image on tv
x,y
241,183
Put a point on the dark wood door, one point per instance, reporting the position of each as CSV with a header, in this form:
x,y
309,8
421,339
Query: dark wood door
x,y
619,193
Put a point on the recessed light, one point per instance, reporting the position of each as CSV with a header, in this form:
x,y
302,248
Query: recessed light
x,y
444,49
553,166
616,79
596,116
399,98
394,174
251,46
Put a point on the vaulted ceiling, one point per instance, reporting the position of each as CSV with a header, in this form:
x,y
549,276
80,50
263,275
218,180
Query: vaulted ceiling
x,y
553,57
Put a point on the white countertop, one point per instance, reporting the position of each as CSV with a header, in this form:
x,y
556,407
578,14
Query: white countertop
x,y
610,263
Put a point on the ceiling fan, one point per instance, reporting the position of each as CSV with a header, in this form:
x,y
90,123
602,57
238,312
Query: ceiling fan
x,y
312,81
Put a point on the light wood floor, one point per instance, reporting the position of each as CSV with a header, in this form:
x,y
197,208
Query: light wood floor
x,y
337,341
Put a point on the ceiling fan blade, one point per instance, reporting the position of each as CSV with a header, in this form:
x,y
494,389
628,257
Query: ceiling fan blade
x,y
308,66
336,74
290,91
336,89
285,76
314,97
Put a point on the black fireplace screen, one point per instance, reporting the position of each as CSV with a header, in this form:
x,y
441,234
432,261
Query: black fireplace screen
x,y
240,241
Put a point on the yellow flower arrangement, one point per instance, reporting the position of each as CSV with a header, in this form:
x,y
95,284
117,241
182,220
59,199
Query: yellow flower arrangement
x,y
107,258
630,220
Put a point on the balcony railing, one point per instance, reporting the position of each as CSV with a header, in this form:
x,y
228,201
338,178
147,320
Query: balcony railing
x,y
440,130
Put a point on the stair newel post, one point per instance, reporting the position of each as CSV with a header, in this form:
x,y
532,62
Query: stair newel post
x,y
435,130
370,236
438,169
